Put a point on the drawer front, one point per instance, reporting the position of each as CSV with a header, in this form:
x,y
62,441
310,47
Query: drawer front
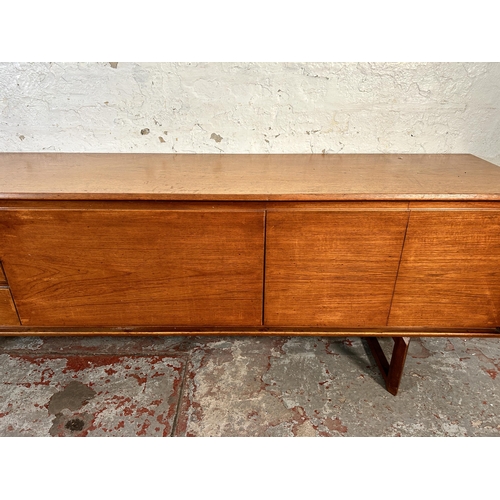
x,y
105,268
332,268
450,270
8,314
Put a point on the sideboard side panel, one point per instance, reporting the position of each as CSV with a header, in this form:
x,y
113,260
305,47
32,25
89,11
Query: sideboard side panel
x,y
105,268
450,270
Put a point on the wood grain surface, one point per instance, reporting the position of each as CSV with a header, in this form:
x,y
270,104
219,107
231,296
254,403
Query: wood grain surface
x,y
332,268
134,267
3,279
231,177
450,270
254,331
8,314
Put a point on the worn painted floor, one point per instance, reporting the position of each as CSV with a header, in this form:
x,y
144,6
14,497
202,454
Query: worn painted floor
x,y
244,386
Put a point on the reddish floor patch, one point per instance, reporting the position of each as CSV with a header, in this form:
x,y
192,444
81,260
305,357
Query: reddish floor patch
x,y
102,395
335,425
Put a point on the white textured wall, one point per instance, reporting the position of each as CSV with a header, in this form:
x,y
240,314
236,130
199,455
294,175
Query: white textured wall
x,y
251,107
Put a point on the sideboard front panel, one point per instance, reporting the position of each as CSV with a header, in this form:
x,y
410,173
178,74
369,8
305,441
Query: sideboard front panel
x,y
332,268
100,268
450,270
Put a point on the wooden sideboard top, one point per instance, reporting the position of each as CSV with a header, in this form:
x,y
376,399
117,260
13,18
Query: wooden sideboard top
x,y
258,177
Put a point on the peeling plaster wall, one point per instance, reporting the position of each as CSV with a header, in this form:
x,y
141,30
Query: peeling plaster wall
x,y
251,107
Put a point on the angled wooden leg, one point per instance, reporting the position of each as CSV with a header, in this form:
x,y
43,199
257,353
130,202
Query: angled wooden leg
x,y
393,371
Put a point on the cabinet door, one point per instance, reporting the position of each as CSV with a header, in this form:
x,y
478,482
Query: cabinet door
x,y
332,268
450,270
137,267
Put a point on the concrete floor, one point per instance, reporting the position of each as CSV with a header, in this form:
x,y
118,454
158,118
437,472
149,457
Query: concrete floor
x,y
244,386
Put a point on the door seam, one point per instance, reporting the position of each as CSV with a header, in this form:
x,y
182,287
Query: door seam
x,y
399,266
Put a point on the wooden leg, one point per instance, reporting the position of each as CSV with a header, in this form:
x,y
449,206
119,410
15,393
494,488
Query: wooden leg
x,y
392,372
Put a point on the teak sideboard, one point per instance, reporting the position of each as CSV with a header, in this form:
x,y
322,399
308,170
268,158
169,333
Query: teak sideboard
x,y
360,245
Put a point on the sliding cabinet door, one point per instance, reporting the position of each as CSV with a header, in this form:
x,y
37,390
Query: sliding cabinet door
x,y
334,265
134,265
450,270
